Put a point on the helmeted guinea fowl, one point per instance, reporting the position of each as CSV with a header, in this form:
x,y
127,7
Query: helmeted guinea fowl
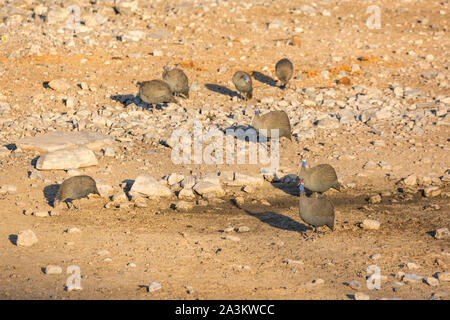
x,y
75,188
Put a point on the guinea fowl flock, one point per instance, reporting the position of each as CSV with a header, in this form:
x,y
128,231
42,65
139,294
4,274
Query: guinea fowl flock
x,y
315,211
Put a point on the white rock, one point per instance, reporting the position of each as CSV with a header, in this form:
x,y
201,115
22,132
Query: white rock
x,y
26,238
56,140
51,269
205,187
442,233
370,224
432,282
148,186
67,159
410,180
154,286
59,85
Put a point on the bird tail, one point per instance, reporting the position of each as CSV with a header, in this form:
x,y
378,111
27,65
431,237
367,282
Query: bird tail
x,y
249,94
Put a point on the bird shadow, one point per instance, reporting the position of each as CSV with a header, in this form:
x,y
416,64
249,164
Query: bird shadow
x,y
261,77
50,192
288,188
276,220
222,90
127,99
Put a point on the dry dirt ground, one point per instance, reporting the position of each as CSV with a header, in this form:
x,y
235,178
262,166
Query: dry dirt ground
x,y
189,253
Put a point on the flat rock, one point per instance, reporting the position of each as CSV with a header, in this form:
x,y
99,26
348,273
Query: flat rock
x,y
370,224
148,186
51,269
412,277
361,296
26,238
59,85
57,140
154,286
67,159
241,180
205,187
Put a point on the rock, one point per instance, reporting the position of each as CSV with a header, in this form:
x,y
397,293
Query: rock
x,y
67,159
433,191
241,180
375,256
188,182
154,286
184,206
442,233
148,186
242,229
51,269
104,189
432,282
8,189
412,277
444,276
328,123
361,296
354,285
73,230
71,102
370,224
26,238
174,178
204,187
59,85
57,140
375,199
186,194
412,266
40,213
411,180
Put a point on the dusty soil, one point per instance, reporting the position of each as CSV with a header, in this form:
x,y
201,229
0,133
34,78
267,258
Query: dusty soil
x,y
189,253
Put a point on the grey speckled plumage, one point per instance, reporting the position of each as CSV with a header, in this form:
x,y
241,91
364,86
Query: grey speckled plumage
x,y
273,120
76,187
316,212
243,83
284,70
177,80
156,92
319,178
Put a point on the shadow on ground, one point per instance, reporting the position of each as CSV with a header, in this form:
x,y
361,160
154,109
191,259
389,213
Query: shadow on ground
x,y
222,90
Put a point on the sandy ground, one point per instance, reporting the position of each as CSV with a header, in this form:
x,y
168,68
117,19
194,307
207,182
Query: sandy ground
x,y
189,253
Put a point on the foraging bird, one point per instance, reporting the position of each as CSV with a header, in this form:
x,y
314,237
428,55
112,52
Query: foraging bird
x,y
243,83
283,71
177,80
273,120
319,178
74,188
155,92
315,211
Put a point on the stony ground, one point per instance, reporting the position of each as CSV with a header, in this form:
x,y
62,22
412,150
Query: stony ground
x,y
374,103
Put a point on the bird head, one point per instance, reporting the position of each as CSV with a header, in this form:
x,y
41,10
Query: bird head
x,y
166,68
247,79
55,203
257,111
